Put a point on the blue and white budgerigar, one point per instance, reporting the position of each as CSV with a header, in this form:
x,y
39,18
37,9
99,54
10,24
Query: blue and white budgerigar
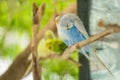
x,y
71,30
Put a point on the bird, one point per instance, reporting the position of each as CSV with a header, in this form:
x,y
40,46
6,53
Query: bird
x,y
71,30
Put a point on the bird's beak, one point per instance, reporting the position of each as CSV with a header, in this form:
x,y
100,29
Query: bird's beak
x,y
57,19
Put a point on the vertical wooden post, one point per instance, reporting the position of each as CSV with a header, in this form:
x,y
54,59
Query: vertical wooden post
x,y
83,7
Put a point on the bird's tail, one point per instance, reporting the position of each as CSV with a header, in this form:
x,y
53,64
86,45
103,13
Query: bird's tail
x,y
87,55
93,52
101,62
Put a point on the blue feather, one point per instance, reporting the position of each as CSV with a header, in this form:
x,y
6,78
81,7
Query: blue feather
x,y
73,36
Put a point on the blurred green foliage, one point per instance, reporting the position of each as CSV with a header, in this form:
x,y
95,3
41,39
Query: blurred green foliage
x,y
60,67
16,16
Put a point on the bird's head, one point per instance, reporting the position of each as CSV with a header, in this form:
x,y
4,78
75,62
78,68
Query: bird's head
x,y
65,22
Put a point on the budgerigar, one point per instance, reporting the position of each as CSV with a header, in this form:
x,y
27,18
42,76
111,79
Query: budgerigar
x,y
71,30
53,43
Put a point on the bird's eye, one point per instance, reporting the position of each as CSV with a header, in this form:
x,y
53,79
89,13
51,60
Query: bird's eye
x,y
67,25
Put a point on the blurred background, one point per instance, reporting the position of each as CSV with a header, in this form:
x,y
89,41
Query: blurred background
x,y
108,11
16,34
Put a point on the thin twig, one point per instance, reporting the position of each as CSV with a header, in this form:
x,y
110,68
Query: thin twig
x,y
37,15
55,55
55,7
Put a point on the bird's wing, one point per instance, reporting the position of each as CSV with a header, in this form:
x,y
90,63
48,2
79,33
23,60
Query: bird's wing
x,y
79,25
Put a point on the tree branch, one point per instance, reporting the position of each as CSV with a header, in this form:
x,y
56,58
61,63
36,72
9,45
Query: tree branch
x,y
37,15
55,55
111,28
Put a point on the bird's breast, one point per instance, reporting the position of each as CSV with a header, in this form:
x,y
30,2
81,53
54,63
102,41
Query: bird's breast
x,y
70,36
